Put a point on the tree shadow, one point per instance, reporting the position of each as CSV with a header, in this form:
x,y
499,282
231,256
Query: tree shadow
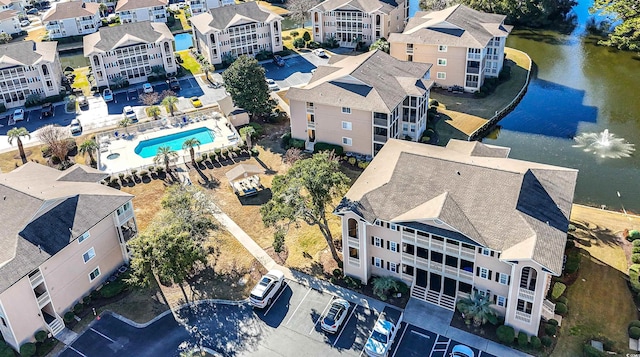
x,y
263,196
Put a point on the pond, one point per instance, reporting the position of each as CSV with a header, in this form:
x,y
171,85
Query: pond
x,y
289,24
73,59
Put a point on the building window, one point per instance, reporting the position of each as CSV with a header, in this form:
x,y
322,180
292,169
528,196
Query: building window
x,y
84,237
407,269
392,267
393,246
346,141
346,110
524,306
442,75
352,226
442,61
393,227
354,253
503,278
486,251
378,242
89,255
346,125
377,262
442,48
483,273
94,274
501,301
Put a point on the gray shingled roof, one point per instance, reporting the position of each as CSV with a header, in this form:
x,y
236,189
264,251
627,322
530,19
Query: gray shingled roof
x,y
372,81
110,38
222,17
516,207
71,10
366,6
123,5
81,173
458,26
25,53
8,14
42,214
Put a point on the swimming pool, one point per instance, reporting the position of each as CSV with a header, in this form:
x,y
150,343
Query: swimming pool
x,y
183,41
149,148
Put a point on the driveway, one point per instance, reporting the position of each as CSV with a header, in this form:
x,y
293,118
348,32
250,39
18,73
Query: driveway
x,y
296,70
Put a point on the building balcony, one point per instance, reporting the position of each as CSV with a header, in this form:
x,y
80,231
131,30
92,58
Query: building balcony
x,y
353,241
407,277
422,263
435,266
380,122
439,246
523,316
380,138
43,299
311,125
50,27
36,278
354,262
407,258
408,237
474,56
470,84
526,294
473,70
467,253
125,216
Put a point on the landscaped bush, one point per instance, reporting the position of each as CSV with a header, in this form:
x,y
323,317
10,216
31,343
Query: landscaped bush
x,y
553,322
46,151
352,282
278,241
636,243
28,349
40,336
633,235
550,330
590,351
296,143
523,339
363,164
561,309
634,332
506,334
112,289
636,250
635,258
634,323
564,300
558,289
337,149
68,316
298,42
78,308
634,274
569,244
573,263
535,342
546,341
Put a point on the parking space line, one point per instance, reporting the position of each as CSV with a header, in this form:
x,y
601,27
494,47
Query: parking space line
x,y
319,317
101,334
435,347
400,340
76,351
276,299
345,324
420,334
297,307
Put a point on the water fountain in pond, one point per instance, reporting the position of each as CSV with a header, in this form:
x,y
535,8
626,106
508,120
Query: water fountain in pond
x,y
604,144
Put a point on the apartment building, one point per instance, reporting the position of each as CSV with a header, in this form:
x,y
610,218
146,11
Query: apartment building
x,y
199,6
142,10
352,21
72,19
26,68
15,5
129,51
464,45
360,102
450,220
9,22
66,238
231,31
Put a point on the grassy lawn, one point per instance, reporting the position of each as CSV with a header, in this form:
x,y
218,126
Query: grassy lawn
x,y
183,20
287,39
81,81
36,35
503,95
189,62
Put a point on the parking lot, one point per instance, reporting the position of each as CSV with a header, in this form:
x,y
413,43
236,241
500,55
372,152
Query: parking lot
x,y
296,70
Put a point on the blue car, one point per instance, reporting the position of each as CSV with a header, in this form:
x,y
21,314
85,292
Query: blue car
x,y
279,61
462,351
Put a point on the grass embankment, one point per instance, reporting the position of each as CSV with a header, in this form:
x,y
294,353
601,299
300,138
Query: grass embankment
x,y
287,38
189,63
81,81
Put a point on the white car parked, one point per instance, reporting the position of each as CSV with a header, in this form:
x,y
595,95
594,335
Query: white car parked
x,y
265,291
129,113
336,315
18,114
381,339
147,88
320,52
272,84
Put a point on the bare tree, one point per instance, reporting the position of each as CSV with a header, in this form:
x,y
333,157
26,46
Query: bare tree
x,y
55,137
292,155
150,98
298,10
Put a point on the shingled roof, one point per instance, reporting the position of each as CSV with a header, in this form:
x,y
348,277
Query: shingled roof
x,y
43,211
458,26
27,53
71,10
123,5
224,17
367,6
372,81
110,38
515,207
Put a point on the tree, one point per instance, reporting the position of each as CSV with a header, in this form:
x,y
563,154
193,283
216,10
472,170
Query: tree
x,y
626,15
5,37
88,147
298,10
164,155
477,309
54,137
207,68
292,155
383,285
305,193
16,134
532,13
150,98
380,44
306,37
125,123
247,133
103,9
118,81
189,144
158,70
170,103
246,83
154,111
435,5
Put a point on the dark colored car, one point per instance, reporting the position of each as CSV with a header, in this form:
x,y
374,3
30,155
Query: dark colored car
x,y
278,61
174,84
32,11
47,110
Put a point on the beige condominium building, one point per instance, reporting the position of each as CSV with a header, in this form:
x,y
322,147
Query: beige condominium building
x,y
129,51
9,22
199,6
450,220
360,102
142,10
464,45
26,68
72,19
351,21
230,31
63,235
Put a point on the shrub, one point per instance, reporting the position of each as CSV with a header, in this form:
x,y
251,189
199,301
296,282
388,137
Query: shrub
x,y
278,241
259,130
505,334
546,341
553,322
573,263
78,308
306,36
285,140
564,300
337,273
144,173
433,102
636,243
68,316
40,335
635,258
86,300
28,349
635,249
71,144
550,330
634,234
255,152
298,42
634,332
590,351
294,33
523,339
352,160
569,244
363,165
112,289
634,323
352,282
561,309
46,151
558,289
535,342
337,149
571,228
296,143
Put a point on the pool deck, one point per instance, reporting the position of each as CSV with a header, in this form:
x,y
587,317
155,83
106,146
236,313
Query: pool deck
x,y
128,159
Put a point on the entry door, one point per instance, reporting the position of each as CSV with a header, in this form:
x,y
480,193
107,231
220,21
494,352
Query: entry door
x,y
449,287
421,278
435,282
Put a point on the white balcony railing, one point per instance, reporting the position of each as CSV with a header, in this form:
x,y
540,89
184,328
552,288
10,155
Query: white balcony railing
x,y
43,299
467,253
36,279
523,316
437,246
354,262
407,258
435,266
125,216
526,294
408,237
353,241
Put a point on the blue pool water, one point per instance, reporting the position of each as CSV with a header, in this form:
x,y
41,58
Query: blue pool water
x,y
183,41
149,148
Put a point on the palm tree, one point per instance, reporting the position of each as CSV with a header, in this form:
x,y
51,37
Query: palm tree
x,y
118,81
88,147
18,133
164,155
170,103
477,309
206,68
154,111
158,71
125,123
188,145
